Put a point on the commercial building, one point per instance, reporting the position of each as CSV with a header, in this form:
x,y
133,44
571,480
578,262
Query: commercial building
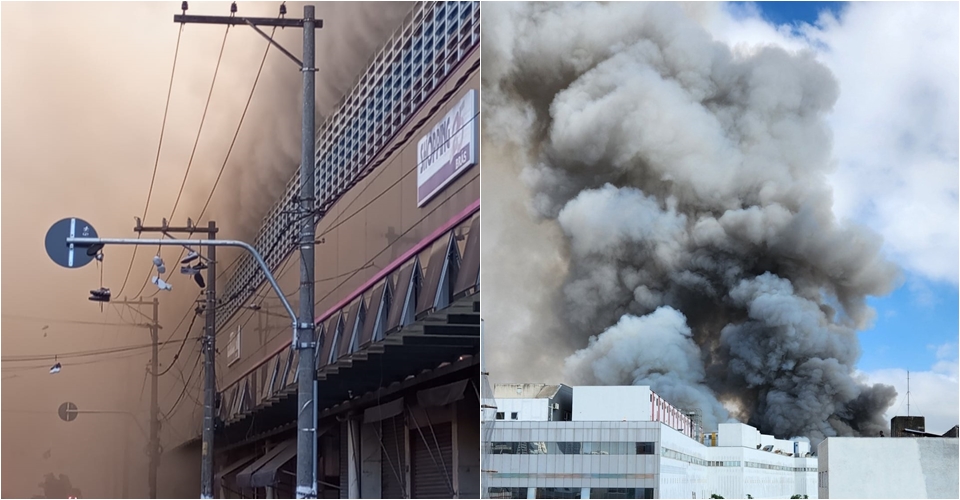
x,y
628,442
397,290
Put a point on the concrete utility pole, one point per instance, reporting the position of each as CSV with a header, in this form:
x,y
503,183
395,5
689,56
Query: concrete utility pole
x,y
153,446
209,344
304,331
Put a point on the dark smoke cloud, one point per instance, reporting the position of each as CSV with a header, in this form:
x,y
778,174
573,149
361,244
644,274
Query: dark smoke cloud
x,y
688,182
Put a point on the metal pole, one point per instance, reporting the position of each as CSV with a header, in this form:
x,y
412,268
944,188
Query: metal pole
x,y
125,487
304,335
209,365
86,242
154,446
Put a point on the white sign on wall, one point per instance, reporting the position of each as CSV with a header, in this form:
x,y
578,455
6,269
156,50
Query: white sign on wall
x,y
449,149
233,347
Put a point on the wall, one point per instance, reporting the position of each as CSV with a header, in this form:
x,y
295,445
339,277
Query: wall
x,y
611,403
372,225
526,409
736,434
679,478
889,468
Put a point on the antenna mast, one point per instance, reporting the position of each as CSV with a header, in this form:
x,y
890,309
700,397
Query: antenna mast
x,y
908,393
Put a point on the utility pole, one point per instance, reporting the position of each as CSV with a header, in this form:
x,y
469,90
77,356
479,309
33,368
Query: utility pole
x,y
153,446
208,343
303,338
210,363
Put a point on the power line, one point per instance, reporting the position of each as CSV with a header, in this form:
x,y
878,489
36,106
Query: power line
x,y
237,133
186,384
20,369
186,173
156,162
202,120
75,354
177,355
69,321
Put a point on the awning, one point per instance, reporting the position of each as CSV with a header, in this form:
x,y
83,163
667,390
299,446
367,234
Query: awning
x,y
442,395
244,478
218,477
383,412
266,475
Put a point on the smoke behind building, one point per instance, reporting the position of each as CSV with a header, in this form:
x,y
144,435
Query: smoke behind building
x,y
678,228
84,87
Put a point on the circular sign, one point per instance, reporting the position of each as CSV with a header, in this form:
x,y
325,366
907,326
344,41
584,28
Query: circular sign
x,y
65,254
67,411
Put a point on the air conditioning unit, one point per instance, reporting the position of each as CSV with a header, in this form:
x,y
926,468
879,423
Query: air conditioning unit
x,y
556,406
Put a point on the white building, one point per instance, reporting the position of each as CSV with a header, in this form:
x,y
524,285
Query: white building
x,y
626,442
904,467
532,402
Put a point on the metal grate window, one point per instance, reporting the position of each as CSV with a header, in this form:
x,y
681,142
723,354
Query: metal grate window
x,y
432,40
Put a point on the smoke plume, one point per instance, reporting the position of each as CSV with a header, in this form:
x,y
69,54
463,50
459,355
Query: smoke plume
x,y
686,183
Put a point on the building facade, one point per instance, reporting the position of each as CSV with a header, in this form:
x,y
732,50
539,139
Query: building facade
x,y
617,450
397,289
878,467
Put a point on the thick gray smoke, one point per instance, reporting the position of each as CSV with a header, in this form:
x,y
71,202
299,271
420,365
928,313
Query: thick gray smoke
x,y
688,181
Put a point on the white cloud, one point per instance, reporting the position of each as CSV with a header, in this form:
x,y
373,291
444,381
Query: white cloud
x,y
934,393
895,123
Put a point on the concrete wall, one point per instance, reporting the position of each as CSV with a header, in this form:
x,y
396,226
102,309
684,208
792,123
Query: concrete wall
x,y
736,434
611,403
889,468
526,409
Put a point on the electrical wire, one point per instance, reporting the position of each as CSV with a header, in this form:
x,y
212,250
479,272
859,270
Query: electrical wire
x,y
156,162
74,354
237,133
202,120
20,369
68,321
186,173
186,384
176,356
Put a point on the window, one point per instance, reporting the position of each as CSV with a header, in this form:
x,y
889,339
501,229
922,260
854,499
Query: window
x,y
504,448
514,416
621,492
507,492
499,415
537,448
644,448
568,448
577,448
558,492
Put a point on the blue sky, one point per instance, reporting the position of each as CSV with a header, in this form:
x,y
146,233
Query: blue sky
x,y
792,12
906,192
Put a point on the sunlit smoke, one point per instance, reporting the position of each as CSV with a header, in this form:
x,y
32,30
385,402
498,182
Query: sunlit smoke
x,y
687,181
